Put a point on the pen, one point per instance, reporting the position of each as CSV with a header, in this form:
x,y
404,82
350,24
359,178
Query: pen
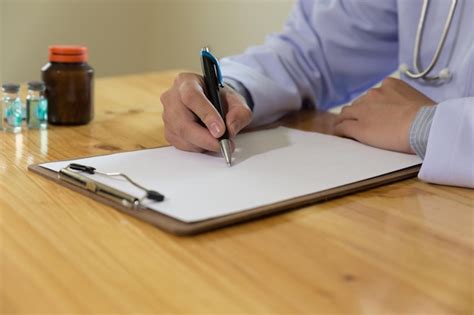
x,y
213,88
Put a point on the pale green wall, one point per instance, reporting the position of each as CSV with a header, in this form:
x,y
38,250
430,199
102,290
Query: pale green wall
x,y
112,30
228,27
131,36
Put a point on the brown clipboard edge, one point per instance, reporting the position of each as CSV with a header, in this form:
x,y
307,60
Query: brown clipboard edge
x,y
174,226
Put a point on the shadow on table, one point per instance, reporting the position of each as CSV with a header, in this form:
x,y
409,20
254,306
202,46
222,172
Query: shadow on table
x,y
271,141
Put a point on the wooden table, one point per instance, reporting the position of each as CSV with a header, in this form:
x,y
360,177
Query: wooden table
x,y
406,248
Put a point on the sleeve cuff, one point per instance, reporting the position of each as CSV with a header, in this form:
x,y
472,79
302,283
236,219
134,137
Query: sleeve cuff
x,y
420,130
271,99
241,89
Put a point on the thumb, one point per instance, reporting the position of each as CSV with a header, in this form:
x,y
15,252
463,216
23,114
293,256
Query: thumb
x,y
238,115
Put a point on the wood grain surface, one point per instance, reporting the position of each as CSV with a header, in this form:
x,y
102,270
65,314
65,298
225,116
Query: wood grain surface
x,y
405,248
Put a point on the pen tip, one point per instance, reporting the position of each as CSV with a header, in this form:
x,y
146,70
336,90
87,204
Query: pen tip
x,y
226,151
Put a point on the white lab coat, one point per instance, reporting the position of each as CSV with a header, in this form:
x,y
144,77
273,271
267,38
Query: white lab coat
x,y
449,158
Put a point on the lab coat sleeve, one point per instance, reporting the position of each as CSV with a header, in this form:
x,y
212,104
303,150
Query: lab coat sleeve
x,y
328,53
449,158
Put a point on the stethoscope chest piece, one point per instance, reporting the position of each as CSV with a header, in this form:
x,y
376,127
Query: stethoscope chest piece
x,y
445,74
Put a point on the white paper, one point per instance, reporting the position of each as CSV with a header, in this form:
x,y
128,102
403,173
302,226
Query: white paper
x,y
268,166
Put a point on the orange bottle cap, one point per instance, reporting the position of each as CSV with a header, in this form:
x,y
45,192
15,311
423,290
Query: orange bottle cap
x,y
68,53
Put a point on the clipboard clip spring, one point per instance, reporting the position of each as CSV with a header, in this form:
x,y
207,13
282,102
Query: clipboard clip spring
x,y
70,174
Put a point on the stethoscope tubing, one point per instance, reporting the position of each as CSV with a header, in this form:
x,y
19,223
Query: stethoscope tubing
x,y
424,74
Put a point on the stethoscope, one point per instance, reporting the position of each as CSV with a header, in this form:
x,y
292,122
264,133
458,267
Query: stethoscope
x,y
444,74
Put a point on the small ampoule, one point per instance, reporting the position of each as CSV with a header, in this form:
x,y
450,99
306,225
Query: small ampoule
x,y
36,106
2,114
13,111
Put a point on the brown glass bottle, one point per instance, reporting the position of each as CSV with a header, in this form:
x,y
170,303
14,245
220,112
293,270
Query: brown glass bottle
x,y
69,81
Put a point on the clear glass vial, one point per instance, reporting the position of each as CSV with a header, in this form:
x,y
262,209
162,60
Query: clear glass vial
x,y
36,106
2,114
12,106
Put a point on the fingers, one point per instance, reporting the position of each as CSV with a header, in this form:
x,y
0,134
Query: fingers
x,y
182,128
185,132
358,109
352,119
348,112
349,129
180,143
193,97
239,114
185,105
198,136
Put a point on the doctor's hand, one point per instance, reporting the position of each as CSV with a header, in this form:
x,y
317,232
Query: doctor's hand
x,y
383,117
185,106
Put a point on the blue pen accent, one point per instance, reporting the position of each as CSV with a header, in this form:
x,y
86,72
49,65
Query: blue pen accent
x,y
216,63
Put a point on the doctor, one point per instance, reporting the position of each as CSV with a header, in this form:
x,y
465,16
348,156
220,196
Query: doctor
x,y
332,52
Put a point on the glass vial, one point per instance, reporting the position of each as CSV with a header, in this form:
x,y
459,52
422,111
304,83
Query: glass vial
x,y
36,106
2,113
13,110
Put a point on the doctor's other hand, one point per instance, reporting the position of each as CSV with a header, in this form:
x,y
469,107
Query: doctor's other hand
x,y
383,116
185,106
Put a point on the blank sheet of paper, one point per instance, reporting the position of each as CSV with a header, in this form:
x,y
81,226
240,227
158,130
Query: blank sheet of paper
x,y
268,166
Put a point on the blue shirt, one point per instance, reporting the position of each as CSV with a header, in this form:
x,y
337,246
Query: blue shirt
x,y
331,51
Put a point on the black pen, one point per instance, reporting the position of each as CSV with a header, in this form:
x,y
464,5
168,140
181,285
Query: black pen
x,y
213,88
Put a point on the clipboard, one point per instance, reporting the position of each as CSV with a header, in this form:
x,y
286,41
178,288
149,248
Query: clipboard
x,y
179,227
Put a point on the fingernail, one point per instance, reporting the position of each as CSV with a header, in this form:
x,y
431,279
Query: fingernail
x,y
215,130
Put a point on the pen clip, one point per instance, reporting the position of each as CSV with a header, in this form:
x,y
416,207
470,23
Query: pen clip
x,y
205,53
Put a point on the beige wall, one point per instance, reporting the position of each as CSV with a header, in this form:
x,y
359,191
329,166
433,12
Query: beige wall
x,y
129,36
185,26
113,31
